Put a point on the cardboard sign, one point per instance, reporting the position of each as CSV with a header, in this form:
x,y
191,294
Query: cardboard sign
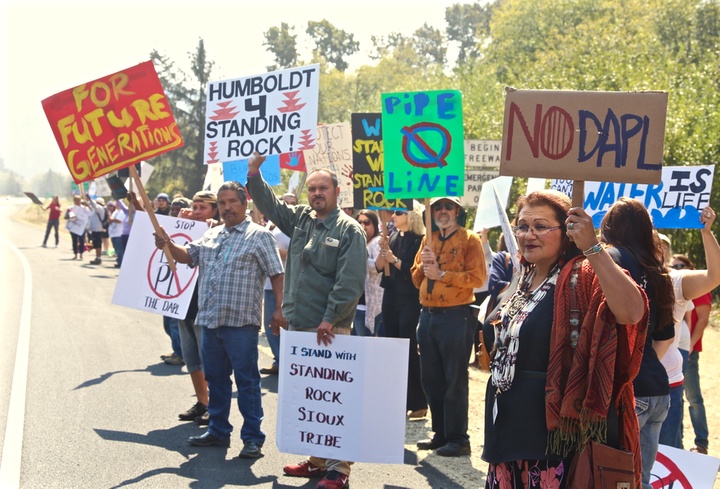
x,y
112,122
333,150
675,468
487,213
33,197
345,401
483,153
602,136
474,181
675,203
424,144
271,113
146,281
369,165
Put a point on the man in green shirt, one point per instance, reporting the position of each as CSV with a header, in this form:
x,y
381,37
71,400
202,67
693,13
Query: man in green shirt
x,y
324,276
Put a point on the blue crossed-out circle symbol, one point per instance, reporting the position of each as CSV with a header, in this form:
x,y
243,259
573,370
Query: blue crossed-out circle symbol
x,y
426,150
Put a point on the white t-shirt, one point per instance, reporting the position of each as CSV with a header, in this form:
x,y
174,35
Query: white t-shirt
x,y
672,361
115,229
283,243
685,330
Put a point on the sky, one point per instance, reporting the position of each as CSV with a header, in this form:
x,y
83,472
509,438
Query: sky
x,y
48,47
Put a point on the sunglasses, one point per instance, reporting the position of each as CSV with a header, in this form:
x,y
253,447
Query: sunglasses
x,y
364,222
678,266
448,206
399,213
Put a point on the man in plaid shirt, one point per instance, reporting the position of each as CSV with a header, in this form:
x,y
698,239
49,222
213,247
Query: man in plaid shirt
x,y
233,261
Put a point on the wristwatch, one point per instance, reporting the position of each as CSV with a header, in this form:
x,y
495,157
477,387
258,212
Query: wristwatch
x,y
396,260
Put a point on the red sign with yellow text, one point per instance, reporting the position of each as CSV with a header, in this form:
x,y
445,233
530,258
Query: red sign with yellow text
x,y
112,122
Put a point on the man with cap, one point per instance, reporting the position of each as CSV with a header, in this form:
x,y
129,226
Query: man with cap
x,y
446,272
163,204
178,204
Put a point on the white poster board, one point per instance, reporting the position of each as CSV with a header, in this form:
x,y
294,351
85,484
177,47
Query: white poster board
x,y
508,236
536,184
333,150
487,214
681,469
270,113
146,281
474,180
345,401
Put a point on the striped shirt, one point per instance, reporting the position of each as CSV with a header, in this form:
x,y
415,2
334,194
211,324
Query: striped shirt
x,y
233,263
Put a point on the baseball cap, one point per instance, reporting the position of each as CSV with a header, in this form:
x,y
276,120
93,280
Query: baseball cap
x,y
100,201
164,196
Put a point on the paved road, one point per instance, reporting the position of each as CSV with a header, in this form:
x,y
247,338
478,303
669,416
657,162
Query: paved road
x,y
98,409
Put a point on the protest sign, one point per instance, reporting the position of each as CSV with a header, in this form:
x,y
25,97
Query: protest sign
x,y
294,161
333,150
368,165
33,197
213,177
344,401
483,153
487,213
535,184
604,136
423,143
681,469
474,181
146,281
237,170
112,122
675,203
508,236
270,113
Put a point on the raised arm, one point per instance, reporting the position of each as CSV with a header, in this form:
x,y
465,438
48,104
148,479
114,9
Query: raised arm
x,y
698,282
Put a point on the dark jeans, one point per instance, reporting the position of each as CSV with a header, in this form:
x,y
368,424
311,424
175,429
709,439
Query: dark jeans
x,y
78,243
445,341
172,328
694,396
52,223
400,320
268,310
228,351
119,248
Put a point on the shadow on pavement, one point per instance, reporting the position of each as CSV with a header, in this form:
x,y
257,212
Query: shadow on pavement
x,y
157,370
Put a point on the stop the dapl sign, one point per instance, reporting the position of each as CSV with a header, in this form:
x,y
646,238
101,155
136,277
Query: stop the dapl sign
x,y
600,136
146,281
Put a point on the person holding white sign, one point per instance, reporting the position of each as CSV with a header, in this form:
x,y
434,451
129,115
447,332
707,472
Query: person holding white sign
x,y
446,274
566,345
234,260
325,277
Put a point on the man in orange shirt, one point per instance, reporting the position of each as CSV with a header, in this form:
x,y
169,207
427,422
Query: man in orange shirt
x,y
446,274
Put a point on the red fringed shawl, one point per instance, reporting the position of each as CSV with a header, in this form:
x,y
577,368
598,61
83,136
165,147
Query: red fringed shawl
x,y
582,381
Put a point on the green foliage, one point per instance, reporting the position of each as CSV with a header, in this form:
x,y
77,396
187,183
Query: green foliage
x,y
282,43
332,44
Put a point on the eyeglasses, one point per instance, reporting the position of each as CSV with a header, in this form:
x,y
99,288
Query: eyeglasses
x,y
678,266
399,213
448,206
537,229
364,222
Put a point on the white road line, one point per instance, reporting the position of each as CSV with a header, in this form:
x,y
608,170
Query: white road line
x,y
12,447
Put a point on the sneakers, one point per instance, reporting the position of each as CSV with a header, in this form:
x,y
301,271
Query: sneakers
x,y
699,449
44,245
272,370
196,411
417,414
96,261
203,420
453,450
304,469
251,450
163,357
174,360
334,480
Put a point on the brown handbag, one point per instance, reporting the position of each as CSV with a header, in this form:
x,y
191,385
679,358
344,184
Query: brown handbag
x,y
599,466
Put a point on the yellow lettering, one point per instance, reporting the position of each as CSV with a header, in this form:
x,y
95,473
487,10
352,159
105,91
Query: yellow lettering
x,y
119,81
96,87
65,127
80,169
157,105
79,94
125,120
92,118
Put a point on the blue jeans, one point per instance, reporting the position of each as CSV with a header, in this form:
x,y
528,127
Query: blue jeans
x,y
693,393
671,431
445,341
172,328
269,305
119,248
228,350
651,412
359,328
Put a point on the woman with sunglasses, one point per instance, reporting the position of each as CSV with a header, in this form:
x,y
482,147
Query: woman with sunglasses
x,y
564,350
401,302
371,301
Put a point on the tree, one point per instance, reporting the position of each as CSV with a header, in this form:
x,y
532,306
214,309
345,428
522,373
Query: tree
x,y
183,169
282,43
332,44
468,24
